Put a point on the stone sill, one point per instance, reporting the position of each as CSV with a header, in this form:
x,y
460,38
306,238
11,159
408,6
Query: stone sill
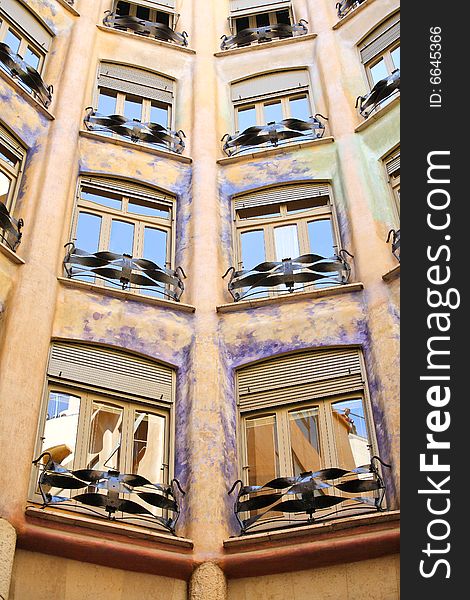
x,y
123,295
278,150
352,13
26,96
5,250
68,7
392,274
307,532
124,529
147,39
378,114
273,44
289,298
135,146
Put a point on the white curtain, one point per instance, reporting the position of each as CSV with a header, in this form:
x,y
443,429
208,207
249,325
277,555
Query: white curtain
x,y
286,241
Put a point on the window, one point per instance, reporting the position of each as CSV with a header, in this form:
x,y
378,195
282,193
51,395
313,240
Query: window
x,y
380,50
148,10
246,14
279,17
107,411
11,164
137,94
392,167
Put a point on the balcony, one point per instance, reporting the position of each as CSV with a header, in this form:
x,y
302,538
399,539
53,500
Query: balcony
x,y
310,497
124,272
135,130
346,6
106,494
289,275
394,238
273,134
150,29
382,91
28,77
260,35
10,229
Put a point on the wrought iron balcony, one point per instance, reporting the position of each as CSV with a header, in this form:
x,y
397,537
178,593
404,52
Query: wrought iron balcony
x,y
135,130
124,271
263,34
273,134
109,491
10,228
152,29
308,498
346,6
382,90
394,237
305,271
28,76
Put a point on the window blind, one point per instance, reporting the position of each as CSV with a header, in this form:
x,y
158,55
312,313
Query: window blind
x,y
270,84
380,39
164,5
12,145
280,195
239,8
123,78
392,164
127,188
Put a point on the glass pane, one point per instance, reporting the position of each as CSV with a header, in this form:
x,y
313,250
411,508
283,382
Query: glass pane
x,y
88,232
351,437
252,246
13,41
60,430
396,57
104,445
262,449
283,17
262,20
148,455
300,108
159,114
269,210
143,13
103,198
8,157
286,242
107,102
379,71
162,17
5,184
155,245
273,112
32,58
241,24
297,206
320,235
305,440
147,208
133,108
246,118
122,237
123,8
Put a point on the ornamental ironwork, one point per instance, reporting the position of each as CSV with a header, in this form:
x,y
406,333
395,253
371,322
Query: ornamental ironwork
x,y
310,497
382,90
110,491
394,237
248,36
124,271
151,29
289,275
10,228
273,134
135,130
28,77
346,6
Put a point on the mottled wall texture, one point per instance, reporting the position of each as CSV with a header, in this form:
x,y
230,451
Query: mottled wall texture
x,y
204,344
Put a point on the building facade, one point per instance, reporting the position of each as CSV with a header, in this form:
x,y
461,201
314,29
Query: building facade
x,y
199,299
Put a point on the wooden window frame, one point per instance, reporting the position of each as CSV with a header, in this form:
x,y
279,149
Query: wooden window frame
x,y
259,103
26,42
393,181
15,172
272,15
146,105
386,56
153,12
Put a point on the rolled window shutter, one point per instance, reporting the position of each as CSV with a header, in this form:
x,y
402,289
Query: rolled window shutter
x,y
11,144
300,377
392,164
239,8
27,22
270,84
164,5
123,78
380,39
127,188
282,194
111,370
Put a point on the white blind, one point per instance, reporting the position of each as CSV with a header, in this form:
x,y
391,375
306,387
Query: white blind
x,y
279,195
131,80
11,144
127,188
27,22
270,84
238,8
380,39
392,163
111,370
164,5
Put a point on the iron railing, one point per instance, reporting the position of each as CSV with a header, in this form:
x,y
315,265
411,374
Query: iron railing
x,y
382,90
151,29
10,228
346,6
28,77
273,134
310,497
135,130
394,237
109,491
263,34
124,271
289,275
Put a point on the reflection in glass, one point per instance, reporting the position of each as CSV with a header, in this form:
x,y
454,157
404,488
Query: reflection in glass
x,y
103,198
133,108
246,118
396,57
252,246
305,440
320,235
379,71
5,184
148,455
12,41
155,245
32,58
262,449
149,209
273,112
300,108
351,436
61,427
107,102
104,445
159,114
88,232
122,237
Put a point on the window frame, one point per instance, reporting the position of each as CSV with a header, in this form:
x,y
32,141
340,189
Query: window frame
x,y
259,103
172,17
386,56
146,106
272,16
25,42
14,173
393,182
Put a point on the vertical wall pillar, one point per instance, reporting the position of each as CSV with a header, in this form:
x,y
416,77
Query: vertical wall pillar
x,y
208,583
7,555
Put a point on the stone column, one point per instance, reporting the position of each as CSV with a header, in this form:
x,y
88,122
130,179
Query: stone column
x,y
7,555
208,583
